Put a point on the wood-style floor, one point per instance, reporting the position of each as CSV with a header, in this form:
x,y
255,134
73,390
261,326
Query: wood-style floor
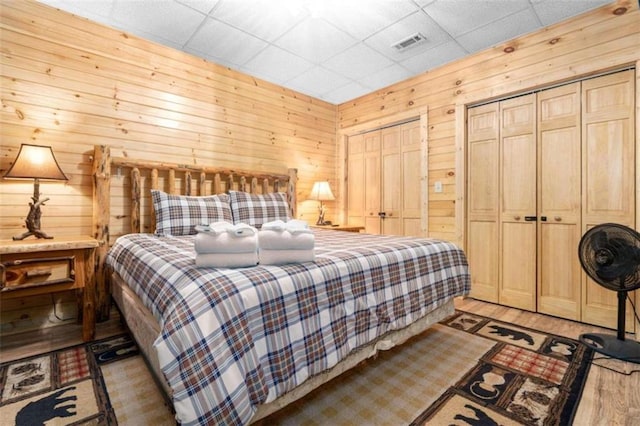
x,y
609,398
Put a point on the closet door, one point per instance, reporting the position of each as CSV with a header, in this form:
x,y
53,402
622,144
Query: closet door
x,y
355,181
518,224
391,206
483,249
411,179
559,201
608,175
371,183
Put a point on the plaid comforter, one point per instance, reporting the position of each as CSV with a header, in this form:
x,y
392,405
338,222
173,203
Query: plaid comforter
x,y
233,339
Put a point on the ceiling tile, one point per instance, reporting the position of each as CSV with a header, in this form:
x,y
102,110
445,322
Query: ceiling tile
x,y
422,3
259,17
363,18
316,40
224,44
500,31
414,23
462,16
276,65
204,6
350,91
386,77
357,62
435,57
552,11
318,81
158,18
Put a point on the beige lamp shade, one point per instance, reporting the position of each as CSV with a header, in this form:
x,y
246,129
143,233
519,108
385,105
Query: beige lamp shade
x,y
35,162
321,191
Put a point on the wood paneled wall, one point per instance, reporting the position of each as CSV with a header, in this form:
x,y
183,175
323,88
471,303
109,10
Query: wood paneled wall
x,y
72,84
591,43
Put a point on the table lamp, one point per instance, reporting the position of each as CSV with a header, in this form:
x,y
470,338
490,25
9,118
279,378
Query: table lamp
x,y
35,162
321,191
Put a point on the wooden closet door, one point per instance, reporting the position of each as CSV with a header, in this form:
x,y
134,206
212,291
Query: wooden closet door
x,y
371,183
355,181
608,175
518,225
391,203
559,201
411,179
482,207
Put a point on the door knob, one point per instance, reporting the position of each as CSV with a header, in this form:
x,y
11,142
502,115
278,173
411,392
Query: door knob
x,y
557,218
516,217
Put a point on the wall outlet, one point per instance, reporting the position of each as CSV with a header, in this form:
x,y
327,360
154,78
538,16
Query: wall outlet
x,y
437,186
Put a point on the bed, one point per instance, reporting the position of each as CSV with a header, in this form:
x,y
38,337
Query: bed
x,y
233,345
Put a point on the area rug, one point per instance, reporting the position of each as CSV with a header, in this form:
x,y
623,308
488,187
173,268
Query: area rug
x,y
100,383
528,377
467,370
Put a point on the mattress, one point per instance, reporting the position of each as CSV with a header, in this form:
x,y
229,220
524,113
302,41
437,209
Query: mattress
x,y
234,339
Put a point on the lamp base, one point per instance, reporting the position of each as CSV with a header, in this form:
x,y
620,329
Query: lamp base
x,y
36,232
33,218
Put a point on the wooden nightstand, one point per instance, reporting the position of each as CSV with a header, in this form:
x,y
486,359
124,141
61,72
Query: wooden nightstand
x,y
33,267
345,228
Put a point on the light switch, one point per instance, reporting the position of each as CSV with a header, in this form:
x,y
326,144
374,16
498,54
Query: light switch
x,y
438,186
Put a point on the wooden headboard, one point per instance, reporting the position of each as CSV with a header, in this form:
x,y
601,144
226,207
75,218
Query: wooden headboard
x,y
122,199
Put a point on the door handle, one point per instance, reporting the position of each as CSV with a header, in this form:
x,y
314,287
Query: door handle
x,y
382,214
530,218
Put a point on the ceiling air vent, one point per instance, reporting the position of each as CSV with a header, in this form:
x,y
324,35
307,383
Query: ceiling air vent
x,y
408,42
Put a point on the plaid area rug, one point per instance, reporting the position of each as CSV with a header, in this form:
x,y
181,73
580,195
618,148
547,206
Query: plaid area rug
x,y
81,385
467,370
528,377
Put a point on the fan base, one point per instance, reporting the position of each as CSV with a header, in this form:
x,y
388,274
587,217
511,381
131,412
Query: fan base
x,y
625,350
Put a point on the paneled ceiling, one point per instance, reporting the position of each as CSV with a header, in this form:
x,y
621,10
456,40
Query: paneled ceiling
x,y
334,50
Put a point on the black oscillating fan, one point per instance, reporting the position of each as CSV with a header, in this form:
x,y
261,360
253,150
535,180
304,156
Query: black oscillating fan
x,y
610,255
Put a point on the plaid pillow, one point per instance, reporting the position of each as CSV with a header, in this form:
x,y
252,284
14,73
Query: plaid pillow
x,y
179,214
255,209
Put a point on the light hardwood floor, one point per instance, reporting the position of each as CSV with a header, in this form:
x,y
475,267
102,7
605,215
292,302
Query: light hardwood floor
x,y
609,398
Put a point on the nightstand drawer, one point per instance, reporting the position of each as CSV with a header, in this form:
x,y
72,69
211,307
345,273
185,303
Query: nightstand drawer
x,y
31,272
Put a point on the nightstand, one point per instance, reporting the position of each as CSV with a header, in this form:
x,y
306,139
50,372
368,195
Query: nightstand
x,y
34,267
345,228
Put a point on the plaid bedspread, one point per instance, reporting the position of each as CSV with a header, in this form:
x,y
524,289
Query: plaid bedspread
x,y
233,339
